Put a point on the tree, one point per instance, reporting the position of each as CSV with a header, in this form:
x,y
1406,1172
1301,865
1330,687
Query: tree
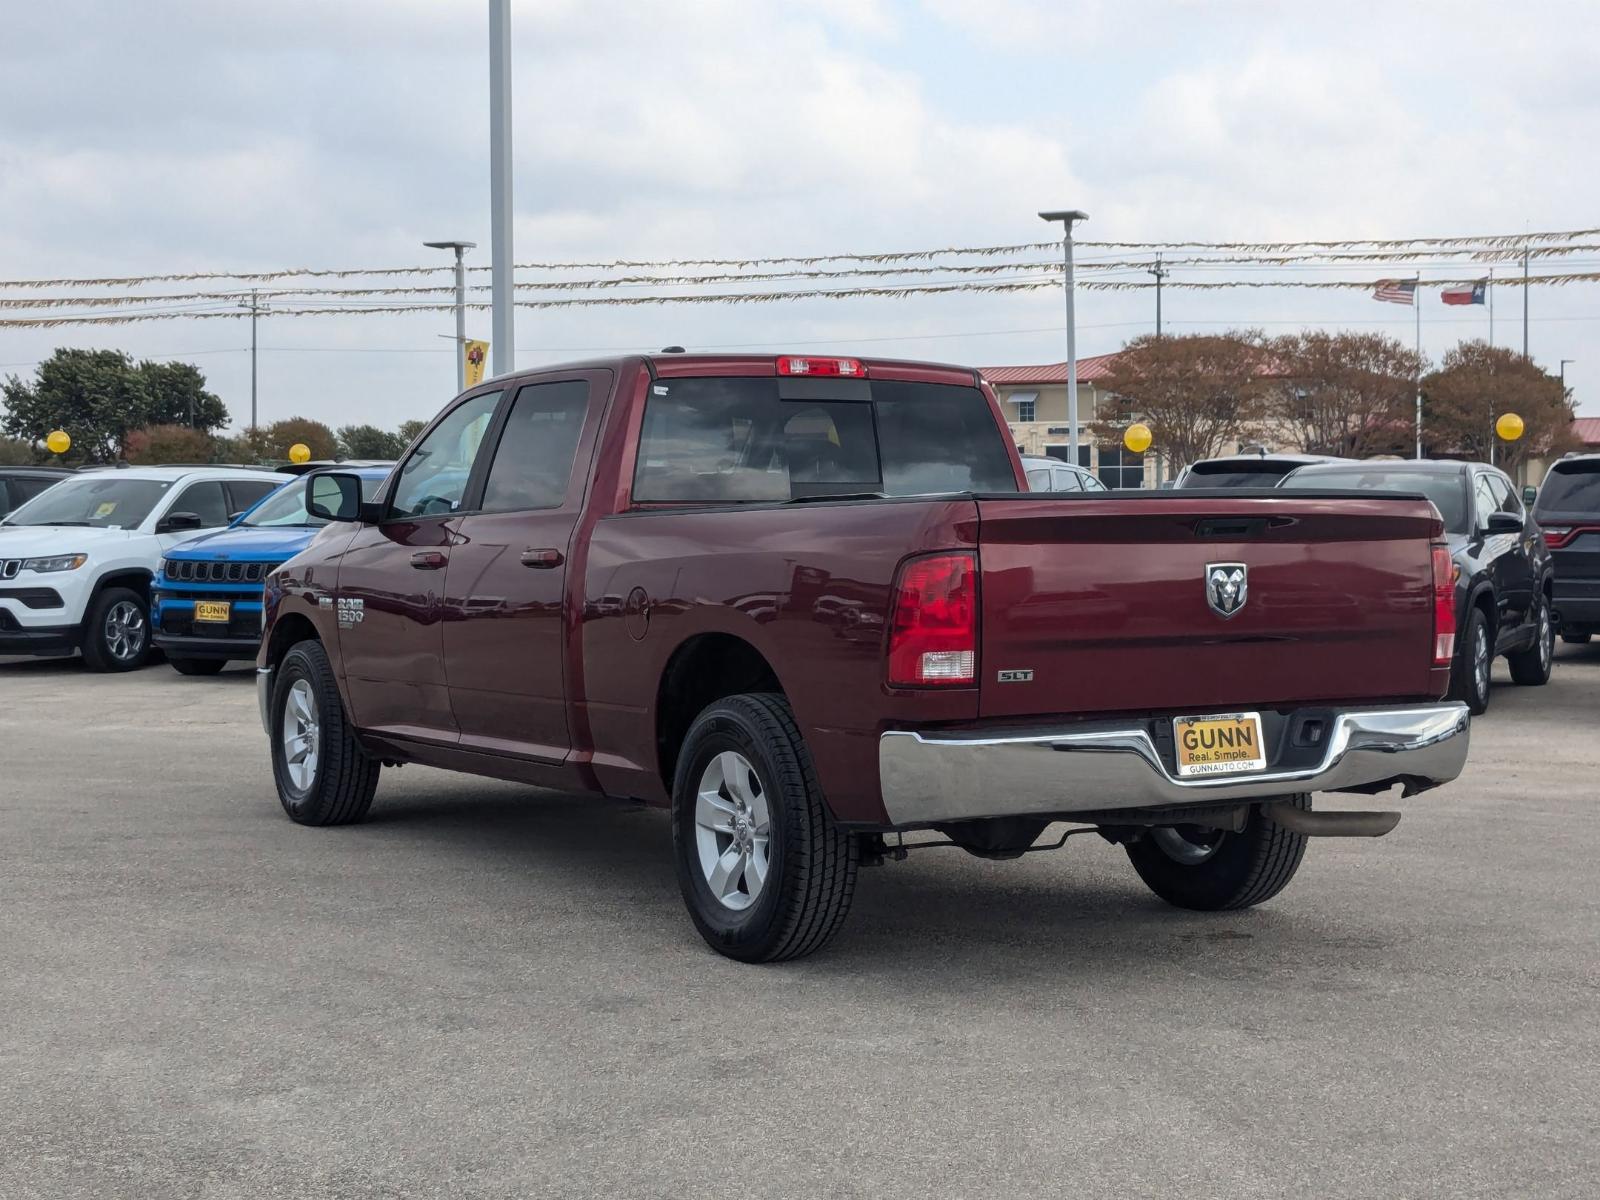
x,y
280,435
408,431
1477,383
1199,393
368,441
1350,394
98,396
16,452
160,444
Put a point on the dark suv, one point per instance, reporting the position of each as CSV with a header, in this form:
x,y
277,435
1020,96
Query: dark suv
x,y
1568,510
1503,570
18,485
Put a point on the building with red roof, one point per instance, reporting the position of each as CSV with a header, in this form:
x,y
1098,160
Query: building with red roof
x,y
1035,401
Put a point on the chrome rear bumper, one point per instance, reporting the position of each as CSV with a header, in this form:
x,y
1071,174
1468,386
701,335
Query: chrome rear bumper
x,y
962,775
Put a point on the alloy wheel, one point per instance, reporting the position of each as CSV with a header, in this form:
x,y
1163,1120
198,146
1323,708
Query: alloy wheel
x,y
125,631
1481,661
733,830
1547,635
301,735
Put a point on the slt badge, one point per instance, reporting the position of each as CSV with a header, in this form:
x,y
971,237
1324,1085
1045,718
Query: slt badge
x,y
1227,587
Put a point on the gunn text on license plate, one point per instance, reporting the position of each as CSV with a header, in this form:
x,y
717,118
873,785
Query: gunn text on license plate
x,y
212,610
1219,745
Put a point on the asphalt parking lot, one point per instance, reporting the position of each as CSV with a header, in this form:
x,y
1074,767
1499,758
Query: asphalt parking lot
x,y
488,990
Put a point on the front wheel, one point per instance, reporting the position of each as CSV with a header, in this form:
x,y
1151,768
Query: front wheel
x,y
1210,870
116,635
1531,667
765,872
197,666
1469,679
324,777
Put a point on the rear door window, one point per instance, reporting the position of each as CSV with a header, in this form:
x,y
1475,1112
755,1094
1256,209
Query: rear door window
x,y
1068,481
748,440
533,462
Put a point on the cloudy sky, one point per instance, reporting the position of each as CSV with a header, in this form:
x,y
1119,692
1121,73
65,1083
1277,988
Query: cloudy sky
x,y
172,136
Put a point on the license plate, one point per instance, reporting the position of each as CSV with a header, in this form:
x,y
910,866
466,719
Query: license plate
x,y
1219,745
212,610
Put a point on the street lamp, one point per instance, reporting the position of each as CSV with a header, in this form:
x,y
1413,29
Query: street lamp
x,y
461,306
1068,217
1563,370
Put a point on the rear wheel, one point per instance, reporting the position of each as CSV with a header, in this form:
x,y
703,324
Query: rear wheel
x,y
1531,667
763,869
1209,870
324,777
116,635
197,666
1469,679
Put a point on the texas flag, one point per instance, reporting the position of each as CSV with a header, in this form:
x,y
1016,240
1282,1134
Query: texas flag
x,y
1475,293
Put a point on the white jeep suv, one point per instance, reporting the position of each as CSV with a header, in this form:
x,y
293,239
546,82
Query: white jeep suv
x,y
76,561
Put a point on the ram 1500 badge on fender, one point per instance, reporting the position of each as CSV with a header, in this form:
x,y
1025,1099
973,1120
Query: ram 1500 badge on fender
x,y
807,604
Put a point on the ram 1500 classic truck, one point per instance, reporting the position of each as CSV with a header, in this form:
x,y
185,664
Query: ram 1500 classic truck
x,y
808,604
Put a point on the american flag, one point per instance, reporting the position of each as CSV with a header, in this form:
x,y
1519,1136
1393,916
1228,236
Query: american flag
x,y
1395,291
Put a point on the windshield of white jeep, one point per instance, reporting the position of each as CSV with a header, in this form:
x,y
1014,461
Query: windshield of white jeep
x,y
102,501
287,505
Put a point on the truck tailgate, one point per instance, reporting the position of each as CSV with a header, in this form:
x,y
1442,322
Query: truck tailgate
x,y
1105,601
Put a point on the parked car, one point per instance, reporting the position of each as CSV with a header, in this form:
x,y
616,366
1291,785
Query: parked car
x,y
18,485
1568,509
206,603
1053,475
328,464
1503,571
76,561
807,604
1260,470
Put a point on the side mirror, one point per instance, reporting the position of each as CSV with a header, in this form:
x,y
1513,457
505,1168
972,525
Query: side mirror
x,y
1530,494
1504,522
178,522
334,496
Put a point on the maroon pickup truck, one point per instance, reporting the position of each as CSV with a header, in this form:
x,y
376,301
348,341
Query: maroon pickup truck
x,y
808,604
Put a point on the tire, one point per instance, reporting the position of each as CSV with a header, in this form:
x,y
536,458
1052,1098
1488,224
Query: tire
x,y
1469,678
746,754
116,633
1531,667
1238,870
336,787
1576,639
198,666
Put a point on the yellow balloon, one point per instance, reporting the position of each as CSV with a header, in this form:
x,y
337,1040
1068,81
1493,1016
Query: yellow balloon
x,y
299,453
1138,438
58,442
1509,427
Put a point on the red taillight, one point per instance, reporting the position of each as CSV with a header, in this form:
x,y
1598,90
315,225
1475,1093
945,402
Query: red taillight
x,y
847,368
933,633
1444,607
1557,536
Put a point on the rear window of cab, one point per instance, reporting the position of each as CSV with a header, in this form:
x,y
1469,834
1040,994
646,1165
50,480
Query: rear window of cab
x,y
737,439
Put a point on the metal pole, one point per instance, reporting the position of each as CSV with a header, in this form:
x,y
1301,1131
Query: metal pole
x,y
1524,301
503,324
1160,275
1416,302
1490,290
1072,355
254,309
461,320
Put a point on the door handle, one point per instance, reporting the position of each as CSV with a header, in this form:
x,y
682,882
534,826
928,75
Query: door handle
x,y
544,557
428,560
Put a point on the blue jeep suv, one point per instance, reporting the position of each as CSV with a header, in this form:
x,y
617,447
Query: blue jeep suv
x,y
206,605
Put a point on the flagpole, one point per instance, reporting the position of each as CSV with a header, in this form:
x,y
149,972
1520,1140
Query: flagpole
x,y
1490,290
1416,302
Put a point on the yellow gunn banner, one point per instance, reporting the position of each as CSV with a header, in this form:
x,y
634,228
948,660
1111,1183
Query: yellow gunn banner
x,y
477,354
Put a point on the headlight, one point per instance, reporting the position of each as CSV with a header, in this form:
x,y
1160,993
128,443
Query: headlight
x,y
58,562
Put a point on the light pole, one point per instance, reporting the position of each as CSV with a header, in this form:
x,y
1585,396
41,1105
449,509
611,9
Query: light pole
x,y
1563,370
1160,273
256,309
1068,217
461,306
502,323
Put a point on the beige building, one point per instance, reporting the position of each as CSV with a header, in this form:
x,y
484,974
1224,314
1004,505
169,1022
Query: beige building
x,y
1035,404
